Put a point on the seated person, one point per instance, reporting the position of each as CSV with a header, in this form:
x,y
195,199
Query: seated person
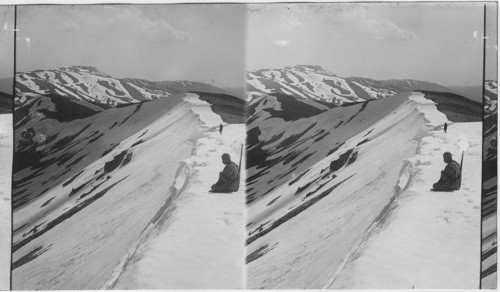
x,y
450,177
229,178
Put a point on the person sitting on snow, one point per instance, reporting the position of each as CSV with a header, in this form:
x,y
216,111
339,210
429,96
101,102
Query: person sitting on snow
x,y
450,177
229,178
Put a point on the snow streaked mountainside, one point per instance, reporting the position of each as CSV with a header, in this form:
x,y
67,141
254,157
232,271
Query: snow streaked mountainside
x,y
92,190
89,84
315,83
490,189
321,182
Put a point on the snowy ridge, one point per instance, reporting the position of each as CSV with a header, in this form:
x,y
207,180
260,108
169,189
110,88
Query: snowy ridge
x,y
174,251
334,193
97,191
428,109
435,230
307,186
180,182
185,172
408,171
203,110
98,174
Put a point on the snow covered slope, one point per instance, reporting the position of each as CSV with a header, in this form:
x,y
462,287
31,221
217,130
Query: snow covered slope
x,y
206,239
89,192
5,198
426,235
86,83
318,184
315,83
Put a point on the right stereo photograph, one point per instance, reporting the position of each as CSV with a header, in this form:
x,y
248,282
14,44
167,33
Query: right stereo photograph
x,y
371,145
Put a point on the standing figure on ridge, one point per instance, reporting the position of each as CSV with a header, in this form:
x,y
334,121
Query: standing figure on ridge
x,y
220,128
451,176
445,127
229,178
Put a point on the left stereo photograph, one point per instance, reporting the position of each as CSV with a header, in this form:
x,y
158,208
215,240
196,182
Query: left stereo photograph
x,y
124,117
6,99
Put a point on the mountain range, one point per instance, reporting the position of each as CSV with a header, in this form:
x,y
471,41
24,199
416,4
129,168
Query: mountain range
x,y
90,85
316,83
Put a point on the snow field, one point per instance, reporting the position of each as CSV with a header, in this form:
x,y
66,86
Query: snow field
x,y
5,198
201,247
428,239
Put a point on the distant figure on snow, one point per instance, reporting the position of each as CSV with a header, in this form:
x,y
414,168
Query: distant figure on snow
x,y
220,128
445,127
450,177
229,178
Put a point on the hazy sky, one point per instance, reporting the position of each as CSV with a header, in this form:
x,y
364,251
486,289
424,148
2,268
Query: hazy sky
x,y
437,42
156,42
6,41
427,41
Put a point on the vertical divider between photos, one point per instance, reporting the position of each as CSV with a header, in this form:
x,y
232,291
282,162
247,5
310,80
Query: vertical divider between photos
x,y
13,147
